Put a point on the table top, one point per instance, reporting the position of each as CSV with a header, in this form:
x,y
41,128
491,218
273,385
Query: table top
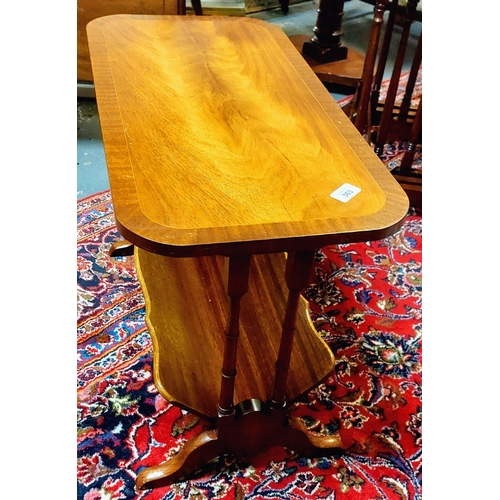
x,y
220,139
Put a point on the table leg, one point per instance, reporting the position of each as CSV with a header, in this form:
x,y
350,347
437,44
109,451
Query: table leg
x,y
237,286
328,58
297,274
251,426
325,46
285,6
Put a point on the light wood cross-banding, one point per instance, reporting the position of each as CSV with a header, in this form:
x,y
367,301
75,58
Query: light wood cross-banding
x,y
223,149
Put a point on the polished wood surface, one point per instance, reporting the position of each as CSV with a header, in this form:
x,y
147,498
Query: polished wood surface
x,y
297,276
121,248
87,10
223,148
238,268
256,428
220,139
186,311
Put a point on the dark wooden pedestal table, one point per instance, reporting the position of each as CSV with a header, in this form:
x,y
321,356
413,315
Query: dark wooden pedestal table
x,y
223,151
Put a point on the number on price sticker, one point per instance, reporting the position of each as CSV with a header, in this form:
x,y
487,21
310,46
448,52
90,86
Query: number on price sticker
x,y
345,192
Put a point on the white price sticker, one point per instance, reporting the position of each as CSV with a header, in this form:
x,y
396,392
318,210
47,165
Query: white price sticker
x,y
345,192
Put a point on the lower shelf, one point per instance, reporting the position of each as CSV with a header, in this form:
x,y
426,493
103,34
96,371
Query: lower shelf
x,y
186,311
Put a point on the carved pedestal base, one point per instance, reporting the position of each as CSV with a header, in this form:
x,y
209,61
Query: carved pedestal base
x,y
324,53
251,429
347,71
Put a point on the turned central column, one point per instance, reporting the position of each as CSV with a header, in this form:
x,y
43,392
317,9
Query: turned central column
x,y
325,46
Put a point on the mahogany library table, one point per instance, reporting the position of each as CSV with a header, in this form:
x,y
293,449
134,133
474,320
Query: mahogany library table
x,y
229,165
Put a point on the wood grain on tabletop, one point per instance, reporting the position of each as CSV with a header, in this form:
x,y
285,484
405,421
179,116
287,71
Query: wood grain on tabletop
x,y
87,10
219,138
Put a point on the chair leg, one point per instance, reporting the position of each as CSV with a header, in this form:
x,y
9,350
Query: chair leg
x,y
416,130
363,94
412,78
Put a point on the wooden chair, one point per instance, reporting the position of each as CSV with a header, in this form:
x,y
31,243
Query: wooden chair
x,y
87,10
394,116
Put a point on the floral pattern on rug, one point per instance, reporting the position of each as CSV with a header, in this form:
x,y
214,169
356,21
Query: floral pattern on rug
x,y
366,304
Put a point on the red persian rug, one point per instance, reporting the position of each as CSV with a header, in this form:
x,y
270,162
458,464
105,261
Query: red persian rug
x,y
365,302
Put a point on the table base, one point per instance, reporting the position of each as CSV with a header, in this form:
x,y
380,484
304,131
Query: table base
x,y
253,427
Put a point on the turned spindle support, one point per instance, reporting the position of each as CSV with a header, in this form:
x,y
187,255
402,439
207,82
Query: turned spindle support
x,y
416,129
237,286
297,275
